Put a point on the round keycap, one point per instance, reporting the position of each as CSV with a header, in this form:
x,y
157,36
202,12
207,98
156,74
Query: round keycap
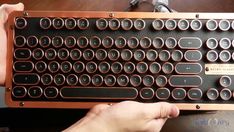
x,y
225,81
59,79
32,41
72,79
211,25
107,42
139,55
129,67
58,23
162,93
225,94
178,93
83,23
95,42
84,79
139,24
101,54
212,94
225,43
126,54
116,67
133,42
126,24
120,42
45,23
196,25
158,43
194,94
224,55
167,68
164,55
151,55
35,92
97,80
63,54
70,23
53,66
176,55
154,67
38,53
114,24
135,80
78,67
233,56
66,66
104,67
46,79
170,42
40,66
145,42
82,42
224,25
148,80
113,54
110,80
19,41
183,24
147,93
70,41
158,24
91,67
211,43
212,56
161,80
123,80
57,41
51,92
141,67
19,91
45,41
101,24
20,23
170,24
75,54
88,54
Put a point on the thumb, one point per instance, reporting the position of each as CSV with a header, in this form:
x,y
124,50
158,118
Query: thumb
x,y
6,9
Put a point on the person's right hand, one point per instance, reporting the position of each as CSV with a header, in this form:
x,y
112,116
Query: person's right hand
x,y
127,116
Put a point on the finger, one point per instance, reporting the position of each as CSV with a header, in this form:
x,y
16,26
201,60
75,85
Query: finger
x,y
156,125
161,110
6,9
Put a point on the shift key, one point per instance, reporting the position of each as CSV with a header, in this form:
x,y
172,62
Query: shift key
x,y
26,79
185,81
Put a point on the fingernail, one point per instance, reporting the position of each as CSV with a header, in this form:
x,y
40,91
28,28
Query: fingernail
x,y
174,112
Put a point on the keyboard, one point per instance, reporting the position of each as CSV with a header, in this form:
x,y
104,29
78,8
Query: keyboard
x,y
80,59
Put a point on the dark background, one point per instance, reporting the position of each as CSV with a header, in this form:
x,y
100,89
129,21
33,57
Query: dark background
x,y
38,120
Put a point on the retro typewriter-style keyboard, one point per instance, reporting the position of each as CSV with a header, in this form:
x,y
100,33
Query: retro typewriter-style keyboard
x,y
78,59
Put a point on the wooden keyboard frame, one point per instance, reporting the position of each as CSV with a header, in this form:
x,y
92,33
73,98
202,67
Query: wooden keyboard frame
x,y
94,14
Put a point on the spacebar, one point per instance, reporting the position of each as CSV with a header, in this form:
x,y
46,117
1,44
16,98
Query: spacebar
x,y
98,93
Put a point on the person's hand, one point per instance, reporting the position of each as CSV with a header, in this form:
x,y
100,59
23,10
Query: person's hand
x,y
126,116
5,10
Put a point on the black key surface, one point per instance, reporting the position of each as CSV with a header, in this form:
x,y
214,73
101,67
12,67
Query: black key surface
x,y
23,66
185,80
190,43
26,78
188,68
22,54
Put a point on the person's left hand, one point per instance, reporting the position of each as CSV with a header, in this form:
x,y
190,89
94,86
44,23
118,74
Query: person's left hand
x,y
5,10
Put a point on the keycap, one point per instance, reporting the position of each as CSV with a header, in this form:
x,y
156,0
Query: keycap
x,y
212,55
38,53
53,66
154,67
72,79
110,80
82,42
58,23
51,92
151,55
167,68
126,24
170,42
20,23
148,80
126,54
162,93
26,79
114,24
139,55
83,23
190,43
146,93
158,24
23,66
78,66
183,24
19,41
225,94
116,67
135,80
88,54
177,55
224,55
195,94
161,80
19,91
193,55
44,41
70,23
225,81
97,80
224,25
142,67
212,43
122,80
158,42
70,41
40,66
57,41
50,54
45,23
66,66
107,42
211,25
178,93
145,42
63,54
98,93
225,43
59,79
164,55
120,42
46,79
212,94
133,42
75,54
188,68
129,67
185,81
196,25
104,67
101,24
32,41
113,54
170,24
95,41
139,24
35,92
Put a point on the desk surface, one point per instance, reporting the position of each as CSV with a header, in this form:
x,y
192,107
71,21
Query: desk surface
x,y
58,119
